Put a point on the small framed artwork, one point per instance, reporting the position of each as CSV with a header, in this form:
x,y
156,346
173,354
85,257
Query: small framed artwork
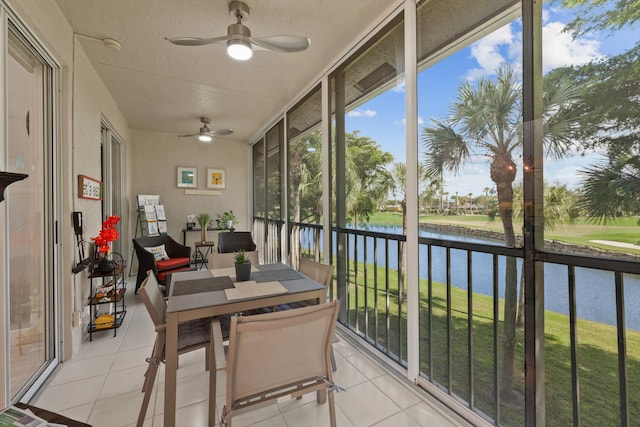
x,y
89,188
187,177
216,178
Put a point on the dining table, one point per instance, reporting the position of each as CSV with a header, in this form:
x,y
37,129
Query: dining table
x,y
207,293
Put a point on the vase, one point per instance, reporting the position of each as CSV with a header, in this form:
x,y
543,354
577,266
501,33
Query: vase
x,y
103,265
243,272
203,234
229,224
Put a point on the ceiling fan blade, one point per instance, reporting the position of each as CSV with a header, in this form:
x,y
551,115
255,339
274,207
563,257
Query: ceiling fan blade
x,y
287,44
221,132
188,136
196,41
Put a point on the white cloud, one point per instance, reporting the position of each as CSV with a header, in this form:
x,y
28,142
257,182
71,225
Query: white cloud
x,y
488,51
400,87
361,113
404,121
560,49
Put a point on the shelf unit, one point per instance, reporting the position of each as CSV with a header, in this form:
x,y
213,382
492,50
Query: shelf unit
x,y
114,285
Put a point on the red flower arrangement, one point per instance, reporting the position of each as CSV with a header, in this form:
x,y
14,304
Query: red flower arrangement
x,y
107,235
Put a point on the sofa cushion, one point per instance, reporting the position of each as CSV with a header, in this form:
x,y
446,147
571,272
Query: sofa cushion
x,y
159,252
171,263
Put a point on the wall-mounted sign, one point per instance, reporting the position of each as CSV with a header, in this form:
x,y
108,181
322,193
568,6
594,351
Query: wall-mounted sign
x,y
89,188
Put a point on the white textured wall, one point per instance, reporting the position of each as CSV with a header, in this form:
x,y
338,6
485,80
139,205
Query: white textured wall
x,y
84,100
155,158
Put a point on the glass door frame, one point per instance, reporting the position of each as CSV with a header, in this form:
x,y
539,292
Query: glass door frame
x,y
9,21
112,189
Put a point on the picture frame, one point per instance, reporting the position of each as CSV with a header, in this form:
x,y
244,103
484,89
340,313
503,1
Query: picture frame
x,y
187,177
89,188
216,178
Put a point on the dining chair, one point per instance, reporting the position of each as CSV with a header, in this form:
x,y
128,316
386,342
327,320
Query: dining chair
x,y
192,335
321,273
233,241
278,354
226,259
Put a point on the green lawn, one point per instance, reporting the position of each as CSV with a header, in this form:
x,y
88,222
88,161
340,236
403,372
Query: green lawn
x,y
597,353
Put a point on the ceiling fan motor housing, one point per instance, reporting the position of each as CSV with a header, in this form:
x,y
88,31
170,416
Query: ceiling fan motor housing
x,y
239,10
238,30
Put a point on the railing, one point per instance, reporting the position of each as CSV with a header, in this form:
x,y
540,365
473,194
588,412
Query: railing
x,y
375,309
462,326
592,366
305,240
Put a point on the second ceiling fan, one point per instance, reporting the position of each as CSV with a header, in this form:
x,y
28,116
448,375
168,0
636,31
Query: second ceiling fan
x,y
239,40
206,134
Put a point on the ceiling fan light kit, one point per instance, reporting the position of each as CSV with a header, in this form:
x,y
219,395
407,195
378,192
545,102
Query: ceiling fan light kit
x,y
205,134
239,40
239,49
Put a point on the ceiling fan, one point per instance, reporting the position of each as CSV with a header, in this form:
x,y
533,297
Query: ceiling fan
x,y
206,134
239,41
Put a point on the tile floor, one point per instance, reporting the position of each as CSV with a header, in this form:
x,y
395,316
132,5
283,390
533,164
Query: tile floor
x,y
101,386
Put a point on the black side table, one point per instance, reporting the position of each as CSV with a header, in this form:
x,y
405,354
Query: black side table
x,y
201,254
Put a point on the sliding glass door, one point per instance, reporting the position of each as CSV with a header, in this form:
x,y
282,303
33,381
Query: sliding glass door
x,y
27,220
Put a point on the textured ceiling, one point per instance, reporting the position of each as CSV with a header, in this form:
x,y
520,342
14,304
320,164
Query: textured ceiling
x,y
162,87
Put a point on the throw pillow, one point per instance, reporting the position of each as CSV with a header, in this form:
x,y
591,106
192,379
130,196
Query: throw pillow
x,y
159,252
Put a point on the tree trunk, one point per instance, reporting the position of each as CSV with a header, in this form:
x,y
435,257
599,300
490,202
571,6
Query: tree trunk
x,y
503,172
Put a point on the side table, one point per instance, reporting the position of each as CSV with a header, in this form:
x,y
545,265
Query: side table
x,y
201,254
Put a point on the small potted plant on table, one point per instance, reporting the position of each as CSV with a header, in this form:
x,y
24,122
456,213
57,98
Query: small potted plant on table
x,y
226,220
243,266
203,220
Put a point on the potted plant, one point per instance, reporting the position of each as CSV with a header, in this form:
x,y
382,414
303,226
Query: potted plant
x,y
243,266
226,220
108,234
203,220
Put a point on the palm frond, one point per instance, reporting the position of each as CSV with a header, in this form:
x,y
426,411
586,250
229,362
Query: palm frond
x,y
445,150
611,189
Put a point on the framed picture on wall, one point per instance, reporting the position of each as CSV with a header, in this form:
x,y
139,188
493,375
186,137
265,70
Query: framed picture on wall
x,y
216,178
187,177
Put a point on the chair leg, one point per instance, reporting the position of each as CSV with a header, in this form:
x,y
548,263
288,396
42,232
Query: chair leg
x,y
150,378
332,410
334,339
207,355
216,362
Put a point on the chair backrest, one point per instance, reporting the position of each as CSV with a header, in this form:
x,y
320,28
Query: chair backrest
x,y
225,260
172,247
321,273
268,351
234,241
153,299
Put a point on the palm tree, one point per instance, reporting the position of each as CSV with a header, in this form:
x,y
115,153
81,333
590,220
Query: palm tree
x,y
399,175
611,189
486,197
560,206
431,189
487,118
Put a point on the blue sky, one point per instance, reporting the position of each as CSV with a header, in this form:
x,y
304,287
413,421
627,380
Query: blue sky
x,y
382,118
